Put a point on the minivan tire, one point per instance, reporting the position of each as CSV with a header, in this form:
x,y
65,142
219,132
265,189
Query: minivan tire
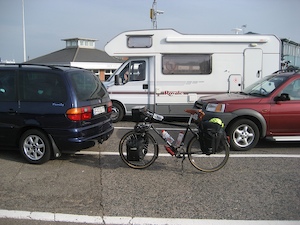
x,y
244,135
117,112
35,146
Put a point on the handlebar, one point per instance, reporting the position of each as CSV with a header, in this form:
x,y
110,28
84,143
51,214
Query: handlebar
x,y
152,115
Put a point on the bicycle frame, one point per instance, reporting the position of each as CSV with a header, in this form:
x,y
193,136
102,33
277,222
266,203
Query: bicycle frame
x,y
187,127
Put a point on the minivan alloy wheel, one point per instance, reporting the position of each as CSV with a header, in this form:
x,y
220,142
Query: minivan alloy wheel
x,y
35,146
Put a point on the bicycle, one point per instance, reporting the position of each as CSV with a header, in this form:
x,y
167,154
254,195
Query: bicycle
x,y
139,149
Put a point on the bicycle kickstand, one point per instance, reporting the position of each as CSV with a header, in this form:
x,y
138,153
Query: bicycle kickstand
x,y
183,158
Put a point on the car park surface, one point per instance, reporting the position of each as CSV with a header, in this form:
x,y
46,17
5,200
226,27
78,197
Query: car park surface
x,y
268,109
255,187
48,110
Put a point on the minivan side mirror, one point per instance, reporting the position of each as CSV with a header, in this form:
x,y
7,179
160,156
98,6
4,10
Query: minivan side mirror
x,y
117,79
282,97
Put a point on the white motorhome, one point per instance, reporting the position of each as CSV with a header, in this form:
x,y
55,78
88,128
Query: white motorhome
x,y
168,71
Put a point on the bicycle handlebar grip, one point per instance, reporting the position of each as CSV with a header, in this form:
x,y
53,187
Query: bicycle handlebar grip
x,y
148,113
158,117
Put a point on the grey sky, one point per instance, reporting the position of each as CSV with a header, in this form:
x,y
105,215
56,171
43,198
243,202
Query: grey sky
x,y
49,21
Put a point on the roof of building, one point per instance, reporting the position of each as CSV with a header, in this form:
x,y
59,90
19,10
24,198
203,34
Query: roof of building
x,y
77,54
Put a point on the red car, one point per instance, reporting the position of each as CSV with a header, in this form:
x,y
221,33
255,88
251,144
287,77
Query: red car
x,y
269,109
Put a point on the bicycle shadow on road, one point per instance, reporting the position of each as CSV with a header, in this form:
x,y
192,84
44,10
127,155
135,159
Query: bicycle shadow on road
x,y
110,162
170,164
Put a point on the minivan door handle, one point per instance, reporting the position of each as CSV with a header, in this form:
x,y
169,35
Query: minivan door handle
x,y
12,112
145,86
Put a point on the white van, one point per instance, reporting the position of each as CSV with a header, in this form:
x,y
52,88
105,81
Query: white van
x,y
168,71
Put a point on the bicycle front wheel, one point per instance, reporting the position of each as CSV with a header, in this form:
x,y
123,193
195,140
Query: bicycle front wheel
x,y
203,162
137,150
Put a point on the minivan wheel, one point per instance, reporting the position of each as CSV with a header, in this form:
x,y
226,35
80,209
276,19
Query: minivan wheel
x,y
35,146
244,135
117,112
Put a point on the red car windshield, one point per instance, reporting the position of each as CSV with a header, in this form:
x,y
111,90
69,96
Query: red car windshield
x,y
265,86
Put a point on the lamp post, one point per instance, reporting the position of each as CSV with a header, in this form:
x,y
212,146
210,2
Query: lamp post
x,y
23,29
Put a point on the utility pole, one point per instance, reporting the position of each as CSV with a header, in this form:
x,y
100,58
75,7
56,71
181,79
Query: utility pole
x,y
23,28
153,14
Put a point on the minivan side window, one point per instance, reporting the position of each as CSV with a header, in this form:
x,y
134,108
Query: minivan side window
x,y
87,86
8,91
42,87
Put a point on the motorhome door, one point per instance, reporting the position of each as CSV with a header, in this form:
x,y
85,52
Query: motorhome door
x,y
252,65
133,88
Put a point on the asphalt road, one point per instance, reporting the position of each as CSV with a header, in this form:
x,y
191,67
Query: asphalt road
x,y
98,184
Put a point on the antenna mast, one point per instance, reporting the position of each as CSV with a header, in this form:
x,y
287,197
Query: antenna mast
x,y
153,13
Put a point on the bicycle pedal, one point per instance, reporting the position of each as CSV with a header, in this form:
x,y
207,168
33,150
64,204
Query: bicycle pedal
x,y
178,155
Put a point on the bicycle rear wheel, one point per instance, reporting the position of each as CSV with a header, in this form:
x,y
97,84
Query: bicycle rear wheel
x,y
203,162
137,150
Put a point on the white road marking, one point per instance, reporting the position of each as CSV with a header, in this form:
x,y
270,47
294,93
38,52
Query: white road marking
x,y
72,218
235,155
264,155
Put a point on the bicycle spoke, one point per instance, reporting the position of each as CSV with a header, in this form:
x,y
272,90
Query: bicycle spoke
x,y
143,154
206,162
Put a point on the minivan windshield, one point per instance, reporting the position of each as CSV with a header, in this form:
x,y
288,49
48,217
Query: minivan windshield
x,y
87,85
265,86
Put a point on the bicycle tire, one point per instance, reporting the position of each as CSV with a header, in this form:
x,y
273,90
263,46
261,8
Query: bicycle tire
x,y
149,156
203,162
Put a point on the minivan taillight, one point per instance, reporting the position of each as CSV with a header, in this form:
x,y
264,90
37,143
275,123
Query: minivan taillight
x,y
109,106
79,114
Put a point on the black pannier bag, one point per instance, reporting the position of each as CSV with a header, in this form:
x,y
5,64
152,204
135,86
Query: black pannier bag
x,y
136,148
212,138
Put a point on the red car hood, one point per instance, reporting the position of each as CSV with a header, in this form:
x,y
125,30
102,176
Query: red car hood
x,y
231,98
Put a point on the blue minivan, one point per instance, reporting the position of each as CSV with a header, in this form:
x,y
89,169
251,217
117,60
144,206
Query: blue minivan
x,y
48,110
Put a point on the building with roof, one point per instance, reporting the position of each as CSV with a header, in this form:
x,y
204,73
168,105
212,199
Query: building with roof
x,y
82,52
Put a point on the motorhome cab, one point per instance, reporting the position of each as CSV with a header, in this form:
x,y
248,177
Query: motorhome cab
x,y
168,71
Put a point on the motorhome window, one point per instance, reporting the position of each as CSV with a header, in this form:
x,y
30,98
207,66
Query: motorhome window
x,y
139,41
137,71
186,64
